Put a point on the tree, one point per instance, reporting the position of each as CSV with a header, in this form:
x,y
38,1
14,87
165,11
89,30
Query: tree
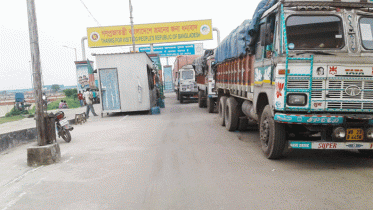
x,y
70,93
55,87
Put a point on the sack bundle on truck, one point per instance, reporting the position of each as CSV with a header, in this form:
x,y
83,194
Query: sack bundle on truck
x,y
205,80
303,71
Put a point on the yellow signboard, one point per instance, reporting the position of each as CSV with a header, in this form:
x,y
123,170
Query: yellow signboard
x,y
150,33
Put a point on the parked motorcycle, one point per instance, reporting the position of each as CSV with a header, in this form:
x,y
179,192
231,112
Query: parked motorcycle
x,y
63,126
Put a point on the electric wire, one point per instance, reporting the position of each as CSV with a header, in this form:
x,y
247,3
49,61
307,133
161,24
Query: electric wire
x,y
90,13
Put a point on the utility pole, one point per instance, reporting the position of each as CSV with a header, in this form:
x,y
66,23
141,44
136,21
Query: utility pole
x,y
35,59
133,31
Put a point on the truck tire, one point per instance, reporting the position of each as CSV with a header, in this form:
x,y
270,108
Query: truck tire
x,y
210,105
200,101
177,95
272,135
221,115
243,124
181,98
231,114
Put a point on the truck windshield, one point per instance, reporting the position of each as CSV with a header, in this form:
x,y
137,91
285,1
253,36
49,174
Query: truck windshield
x,y
366,25
187,75
314,32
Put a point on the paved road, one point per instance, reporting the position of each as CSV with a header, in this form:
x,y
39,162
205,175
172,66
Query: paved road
x,y
181,159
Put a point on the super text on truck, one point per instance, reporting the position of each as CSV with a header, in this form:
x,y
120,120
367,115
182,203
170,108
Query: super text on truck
x,y
303,70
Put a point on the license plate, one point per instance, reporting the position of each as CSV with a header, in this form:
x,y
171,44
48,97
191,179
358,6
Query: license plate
x,y
355,134
63,122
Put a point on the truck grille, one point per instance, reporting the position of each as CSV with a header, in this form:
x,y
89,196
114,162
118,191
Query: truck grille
x,y
365,86
349,105
317,85
334,93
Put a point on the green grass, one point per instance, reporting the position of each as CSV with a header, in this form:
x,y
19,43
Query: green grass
x,y
15,116
11,119
71,103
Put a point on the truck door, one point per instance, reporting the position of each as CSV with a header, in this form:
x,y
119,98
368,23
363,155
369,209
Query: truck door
x,y
109,89
265,52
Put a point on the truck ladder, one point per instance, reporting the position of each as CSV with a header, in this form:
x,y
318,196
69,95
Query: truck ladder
x,y
305,76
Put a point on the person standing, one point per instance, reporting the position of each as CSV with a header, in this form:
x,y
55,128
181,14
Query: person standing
x,y
94,96
88,96
80,97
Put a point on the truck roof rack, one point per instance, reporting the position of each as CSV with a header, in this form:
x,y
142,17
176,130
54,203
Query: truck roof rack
x,y
333,3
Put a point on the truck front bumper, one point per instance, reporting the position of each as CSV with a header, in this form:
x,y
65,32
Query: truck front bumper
x,y
357,130
330,145
192,93
321,119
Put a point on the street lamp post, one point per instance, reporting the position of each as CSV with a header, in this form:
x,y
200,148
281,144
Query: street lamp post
x,y
132,28
76,58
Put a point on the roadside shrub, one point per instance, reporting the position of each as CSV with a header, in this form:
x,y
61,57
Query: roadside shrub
x,y
71,93
15,112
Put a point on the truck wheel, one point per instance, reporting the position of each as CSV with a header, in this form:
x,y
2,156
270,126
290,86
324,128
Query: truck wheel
x,y
272,135
177,95
221,115
243,124
210,105
200,101
231,114
181,98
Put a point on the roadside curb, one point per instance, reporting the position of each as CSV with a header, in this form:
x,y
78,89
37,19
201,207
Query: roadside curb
x,y
17,138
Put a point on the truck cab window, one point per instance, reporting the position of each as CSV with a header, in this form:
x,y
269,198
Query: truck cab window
x,y
314,32
259,47
366,26
270,36
187,75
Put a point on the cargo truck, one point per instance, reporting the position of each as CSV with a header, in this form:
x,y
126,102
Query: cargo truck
x,y
184,83
303,71
207,97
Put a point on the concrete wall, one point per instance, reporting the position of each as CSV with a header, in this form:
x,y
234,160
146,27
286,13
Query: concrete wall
x,y
13,139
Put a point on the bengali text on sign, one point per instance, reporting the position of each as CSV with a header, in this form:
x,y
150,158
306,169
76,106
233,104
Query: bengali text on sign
x,y
150,33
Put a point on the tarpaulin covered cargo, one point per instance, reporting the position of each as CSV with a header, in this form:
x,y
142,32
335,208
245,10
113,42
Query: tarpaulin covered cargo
x,y
200,64
235,44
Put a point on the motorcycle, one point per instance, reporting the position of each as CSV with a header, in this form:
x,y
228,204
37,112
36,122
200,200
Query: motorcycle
x,y
63,126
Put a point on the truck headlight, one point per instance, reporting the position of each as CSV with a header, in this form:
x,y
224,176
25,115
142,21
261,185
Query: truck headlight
x,y
369,133
296,99
339,132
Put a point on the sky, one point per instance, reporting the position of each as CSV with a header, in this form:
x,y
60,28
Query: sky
x,y
64,23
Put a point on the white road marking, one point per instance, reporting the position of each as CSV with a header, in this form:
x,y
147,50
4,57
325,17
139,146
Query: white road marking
x,y
22,176
14,201
66,161
123,118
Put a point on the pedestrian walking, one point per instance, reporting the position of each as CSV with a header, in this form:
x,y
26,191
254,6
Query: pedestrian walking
x,y
88,96
81,99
